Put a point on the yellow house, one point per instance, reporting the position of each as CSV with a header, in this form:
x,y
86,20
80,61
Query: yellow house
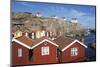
x,y
18,33
38,34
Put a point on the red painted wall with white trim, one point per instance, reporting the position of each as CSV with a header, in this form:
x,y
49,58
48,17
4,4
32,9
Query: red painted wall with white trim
x,y
66,55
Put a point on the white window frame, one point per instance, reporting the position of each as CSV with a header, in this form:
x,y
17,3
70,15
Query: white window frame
x,y
20,52
45,51
74,51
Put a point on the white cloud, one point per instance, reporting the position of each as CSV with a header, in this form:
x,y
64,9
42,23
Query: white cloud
x,y
76,13
84,18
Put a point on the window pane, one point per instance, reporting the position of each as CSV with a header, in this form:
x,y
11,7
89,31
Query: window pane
x,y
20,52
45,50
74,51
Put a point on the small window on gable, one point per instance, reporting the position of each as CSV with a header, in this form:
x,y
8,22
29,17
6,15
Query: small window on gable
x,y
74,51
20,52
45,43
45,50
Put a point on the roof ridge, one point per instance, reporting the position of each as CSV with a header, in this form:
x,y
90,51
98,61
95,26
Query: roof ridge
x,y
70,38
24,36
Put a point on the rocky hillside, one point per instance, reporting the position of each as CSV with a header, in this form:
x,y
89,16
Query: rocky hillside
x,y
26,21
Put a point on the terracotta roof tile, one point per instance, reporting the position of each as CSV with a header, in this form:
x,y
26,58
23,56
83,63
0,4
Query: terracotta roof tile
x,y
25,40
41,39
63,41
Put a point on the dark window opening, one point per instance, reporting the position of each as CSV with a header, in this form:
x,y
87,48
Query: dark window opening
x,y
58,55
31,55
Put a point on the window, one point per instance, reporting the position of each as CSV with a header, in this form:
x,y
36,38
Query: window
x,y
45,50
31,55
74,51
20,52
45,43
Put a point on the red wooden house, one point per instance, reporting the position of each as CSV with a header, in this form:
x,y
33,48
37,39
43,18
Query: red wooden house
x,y
20,50
26,51
70,50
44,51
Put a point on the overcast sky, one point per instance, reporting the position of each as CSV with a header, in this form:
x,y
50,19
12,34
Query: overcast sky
x,y
85,14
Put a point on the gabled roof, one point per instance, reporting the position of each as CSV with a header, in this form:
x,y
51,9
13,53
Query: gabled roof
x,y
66,42
24,41
30,44
41,40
